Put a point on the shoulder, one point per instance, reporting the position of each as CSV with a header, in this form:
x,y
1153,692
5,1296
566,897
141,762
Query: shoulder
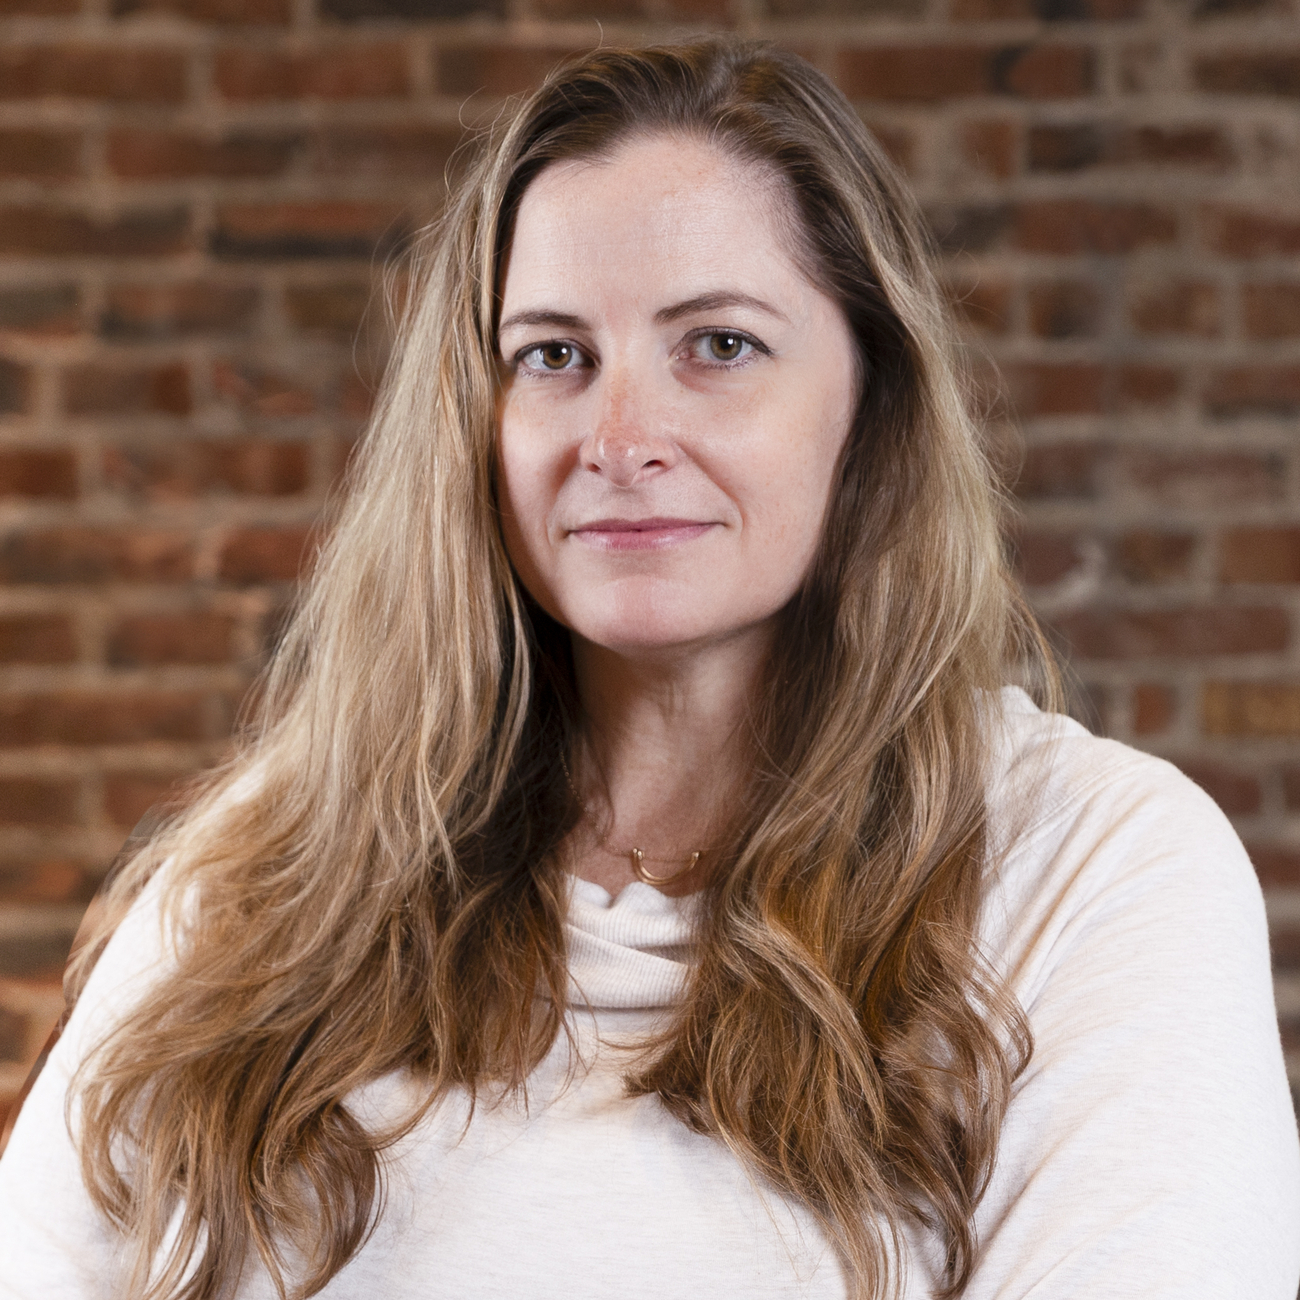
x,y
1087,831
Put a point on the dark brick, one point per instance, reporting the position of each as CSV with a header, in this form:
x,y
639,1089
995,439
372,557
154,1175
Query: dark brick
x,y
112,73
413,10
983,304
1271,311
932,73
1074,146
192,637
1141,385
13,1036
89,718
350,71
1204,479
147,311
1088,226
37,639
1044,557
301,230
46,155
1177,307
37,472
1048,388
1048,10
1291,787
1178,633
1153,708
493,69
969,228
1065,148
38,956
15,386
103,390
412,152
1237,793
1061,471
57,231
258,555
96,555
1259,390
1277,866
1064,310
39,309
190,468
146,155
1253,72
129,796
250,12
25,801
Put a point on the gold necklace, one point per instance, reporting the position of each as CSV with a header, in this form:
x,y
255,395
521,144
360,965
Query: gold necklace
x,y
636,856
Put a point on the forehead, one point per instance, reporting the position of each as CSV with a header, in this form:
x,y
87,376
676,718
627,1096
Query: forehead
x,y
656,218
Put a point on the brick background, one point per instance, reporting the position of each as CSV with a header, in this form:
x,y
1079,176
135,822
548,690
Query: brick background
x,y
195,198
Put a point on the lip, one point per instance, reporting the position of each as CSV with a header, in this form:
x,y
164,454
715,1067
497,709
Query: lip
x,y
639,534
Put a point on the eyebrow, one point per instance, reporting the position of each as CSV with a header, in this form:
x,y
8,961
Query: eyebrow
x,y
716,301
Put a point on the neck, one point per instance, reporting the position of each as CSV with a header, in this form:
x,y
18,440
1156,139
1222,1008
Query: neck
x,y
665,745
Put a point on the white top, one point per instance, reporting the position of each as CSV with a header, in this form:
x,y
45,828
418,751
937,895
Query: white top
x,y
1150,1150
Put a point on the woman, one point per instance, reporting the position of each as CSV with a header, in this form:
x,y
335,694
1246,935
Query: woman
x,y
638,882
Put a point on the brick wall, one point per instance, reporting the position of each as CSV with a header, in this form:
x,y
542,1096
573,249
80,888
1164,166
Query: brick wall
x,y
195,196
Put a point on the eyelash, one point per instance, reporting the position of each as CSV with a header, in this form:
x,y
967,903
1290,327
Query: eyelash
x,y
696,337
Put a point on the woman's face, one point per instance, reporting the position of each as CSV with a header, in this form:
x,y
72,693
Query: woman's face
x,y
677,393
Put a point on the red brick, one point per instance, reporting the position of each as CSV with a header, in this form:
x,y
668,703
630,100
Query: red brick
x,y
129,796
931,73
295,230
984,304
256,555
193,637
28,802
1056,388
1146,385
1204,479
91,718
115,73
1087,226
96,555
165,311
1249,72
1271,311
144,155
1065,309
1181,633
969,227
1178,307
335,307
46,880
1073,146
40,956
250,12
45,155
101,390
419,10
186,469
262,392
15,386
1153,708
1046,557
37,639
1278,867
1260,390
1144,556
408,152
1065,147
1284,943
1260,555
39,309
13,1038
495,69
991,146
710,11
42,231
44,8
34,472
899,142
1251,709
351,71
1061,470
1242,232
1237,793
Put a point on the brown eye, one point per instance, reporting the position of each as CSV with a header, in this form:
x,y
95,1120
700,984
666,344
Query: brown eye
x,y
725,347
555,356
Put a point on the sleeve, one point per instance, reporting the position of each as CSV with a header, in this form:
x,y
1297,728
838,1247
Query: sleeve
x,y
54,1243
1150,1149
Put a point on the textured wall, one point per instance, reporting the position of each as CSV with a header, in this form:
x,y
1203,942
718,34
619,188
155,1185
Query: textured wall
x,y
195,196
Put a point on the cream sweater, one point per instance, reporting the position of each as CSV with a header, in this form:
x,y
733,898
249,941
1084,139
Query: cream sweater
x,y
1150,1149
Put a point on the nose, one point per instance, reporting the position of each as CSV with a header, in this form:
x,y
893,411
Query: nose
x,y
630,440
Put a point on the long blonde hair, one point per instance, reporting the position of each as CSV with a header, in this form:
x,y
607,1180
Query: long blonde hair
x,y
386,894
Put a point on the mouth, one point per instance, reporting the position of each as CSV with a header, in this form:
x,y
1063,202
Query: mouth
x,y
639,534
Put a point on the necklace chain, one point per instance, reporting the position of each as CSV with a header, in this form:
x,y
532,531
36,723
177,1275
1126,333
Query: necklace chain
x,y
636,856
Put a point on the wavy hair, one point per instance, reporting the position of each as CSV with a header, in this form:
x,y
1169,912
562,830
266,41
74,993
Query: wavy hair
x,y
388,891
